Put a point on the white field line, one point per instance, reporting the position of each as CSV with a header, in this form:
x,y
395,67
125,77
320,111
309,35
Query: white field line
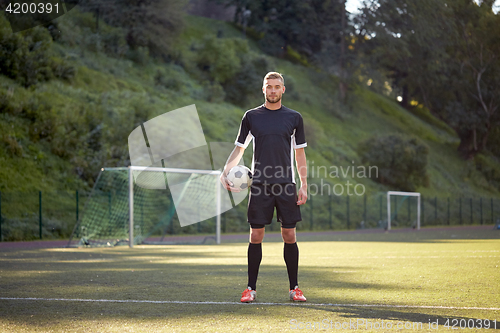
x,y
304,257
253,303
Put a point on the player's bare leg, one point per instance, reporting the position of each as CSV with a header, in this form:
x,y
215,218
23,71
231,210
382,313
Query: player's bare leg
x,y
291,255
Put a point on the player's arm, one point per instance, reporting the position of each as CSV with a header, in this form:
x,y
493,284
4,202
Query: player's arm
x,y
232,161
300,159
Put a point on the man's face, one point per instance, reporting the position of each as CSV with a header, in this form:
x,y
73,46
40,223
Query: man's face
x,y
273,89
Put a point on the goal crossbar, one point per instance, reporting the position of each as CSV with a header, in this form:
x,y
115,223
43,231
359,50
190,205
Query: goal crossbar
x,y
405,194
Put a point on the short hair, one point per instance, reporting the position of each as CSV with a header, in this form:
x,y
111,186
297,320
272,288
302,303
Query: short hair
x,y
273,75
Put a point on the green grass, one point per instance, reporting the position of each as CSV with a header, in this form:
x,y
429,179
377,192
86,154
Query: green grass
x,y
414,275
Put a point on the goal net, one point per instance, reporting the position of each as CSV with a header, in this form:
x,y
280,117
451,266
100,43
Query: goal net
x,y
151,205
403,209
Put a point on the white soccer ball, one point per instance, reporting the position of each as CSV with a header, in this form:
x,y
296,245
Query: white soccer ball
x,y
240,176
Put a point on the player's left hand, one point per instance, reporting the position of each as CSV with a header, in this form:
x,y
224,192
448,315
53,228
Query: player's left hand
x,y
302,195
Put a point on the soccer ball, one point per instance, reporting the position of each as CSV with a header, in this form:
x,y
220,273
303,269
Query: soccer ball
x,y
240,176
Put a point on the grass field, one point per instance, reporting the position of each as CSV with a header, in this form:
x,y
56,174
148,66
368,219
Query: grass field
x,y
376,280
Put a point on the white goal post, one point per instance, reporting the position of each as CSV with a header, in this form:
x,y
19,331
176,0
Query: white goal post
x,y
405,194
215,173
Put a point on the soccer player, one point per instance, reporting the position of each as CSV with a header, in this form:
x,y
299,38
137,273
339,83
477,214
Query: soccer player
x,y
277,132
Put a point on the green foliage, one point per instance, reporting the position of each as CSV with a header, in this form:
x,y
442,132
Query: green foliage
x,y
295,56
493,144
139,55
221,57
490,168
12,145
302,25
26,57
113,40
79,29
291,87
247,83
214,92
401,161
151,24
229,63
168,81
65,132
442,54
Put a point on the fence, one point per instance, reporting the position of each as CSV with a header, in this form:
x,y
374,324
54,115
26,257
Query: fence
x,y
370,211
39,215
52,215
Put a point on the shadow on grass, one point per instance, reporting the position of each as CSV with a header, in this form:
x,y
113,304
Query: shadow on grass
x,y
367,317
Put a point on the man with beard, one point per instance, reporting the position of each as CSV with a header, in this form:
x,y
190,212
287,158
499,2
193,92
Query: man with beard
x,y
278,133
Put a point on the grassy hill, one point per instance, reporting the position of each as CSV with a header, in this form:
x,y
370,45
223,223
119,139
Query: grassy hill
x,y
86,119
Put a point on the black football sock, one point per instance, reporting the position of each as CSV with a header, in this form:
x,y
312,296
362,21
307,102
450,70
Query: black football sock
x,y
254,259
291,255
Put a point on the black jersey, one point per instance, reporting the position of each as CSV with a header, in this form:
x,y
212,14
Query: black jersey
x,y
276,133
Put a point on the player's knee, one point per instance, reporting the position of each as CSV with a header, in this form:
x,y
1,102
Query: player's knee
x,y
288,235
257,235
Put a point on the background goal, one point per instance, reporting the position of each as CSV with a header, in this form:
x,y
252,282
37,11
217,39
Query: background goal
x,y
393,211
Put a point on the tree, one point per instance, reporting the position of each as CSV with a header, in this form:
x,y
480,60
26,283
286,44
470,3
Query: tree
x,y
337,54
26,56
402,37
149,23
443,54
299,24
317,30
476,66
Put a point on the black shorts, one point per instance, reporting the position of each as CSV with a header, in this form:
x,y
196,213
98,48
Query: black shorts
x,y
263,199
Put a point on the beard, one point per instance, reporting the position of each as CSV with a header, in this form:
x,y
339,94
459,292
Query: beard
x,y
274,99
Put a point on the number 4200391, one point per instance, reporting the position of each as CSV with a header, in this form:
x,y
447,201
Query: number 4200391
x,y
32,8
455,323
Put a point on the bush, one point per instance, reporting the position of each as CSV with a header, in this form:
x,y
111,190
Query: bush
x,y
489,168
25,56
80,30
167,80
151,24
228,62
12,146
401,162
214,92
296,57
113,42
139,55
221,58
246,84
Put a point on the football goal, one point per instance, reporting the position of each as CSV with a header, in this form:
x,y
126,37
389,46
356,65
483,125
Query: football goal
x,y
148,205
393,211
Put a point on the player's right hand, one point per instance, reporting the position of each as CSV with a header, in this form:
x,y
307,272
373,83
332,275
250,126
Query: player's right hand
x,y
225,182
